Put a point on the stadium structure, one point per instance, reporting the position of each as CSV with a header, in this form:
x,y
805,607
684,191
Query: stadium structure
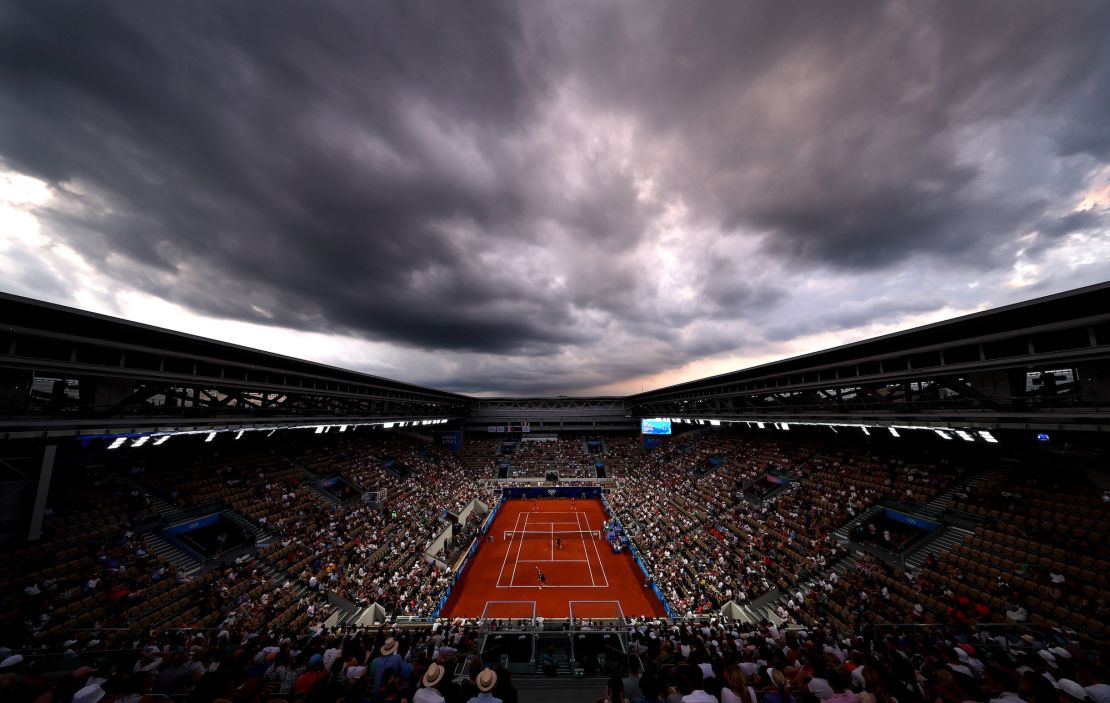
x,y
164,490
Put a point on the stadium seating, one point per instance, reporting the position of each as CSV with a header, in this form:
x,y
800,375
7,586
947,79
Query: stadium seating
x,y
1038,557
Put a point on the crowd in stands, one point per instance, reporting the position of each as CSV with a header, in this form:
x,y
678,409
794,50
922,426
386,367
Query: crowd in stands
x,y
94,592
705,543
568,457
725,662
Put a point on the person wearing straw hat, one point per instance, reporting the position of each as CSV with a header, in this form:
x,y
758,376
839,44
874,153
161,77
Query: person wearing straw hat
x,y
389,659
428,691
486,680
89,694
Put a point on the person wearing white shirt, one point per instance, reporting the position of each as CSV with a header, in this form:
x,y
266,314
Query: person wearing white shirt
x,y
698,694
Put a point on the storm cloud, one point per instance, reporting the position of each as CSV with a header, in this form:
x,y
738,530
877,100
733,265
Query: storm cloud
x,y
559,197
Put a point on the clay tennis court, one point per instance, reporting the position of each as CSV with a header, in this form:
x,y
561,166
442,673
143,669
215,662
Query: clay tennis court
x,y
502,579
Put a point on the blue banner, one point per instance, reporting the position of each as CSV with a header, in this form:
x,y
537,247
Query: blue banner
x,y
193,524
918,522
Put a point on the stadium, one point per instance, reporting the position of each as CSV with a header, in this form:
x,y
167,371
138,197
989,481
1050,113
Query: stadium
x,y
176,501
544,352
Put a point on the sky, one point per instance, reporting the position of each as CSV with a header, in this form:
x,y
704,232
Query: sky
x,y
548,198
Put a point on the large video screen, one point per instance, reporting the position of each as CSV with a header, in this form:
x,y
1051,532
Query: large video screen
x,y
658,426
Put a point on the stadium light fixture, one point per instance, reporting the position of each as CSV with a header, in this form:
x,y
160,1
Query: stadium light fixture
x,y
759,425
964,436
387,425
943,434
715,422
271,434
239,434
988,436
319,429
785,426
117,443
894,432
865,430
140,441
211,436
342,428
162,439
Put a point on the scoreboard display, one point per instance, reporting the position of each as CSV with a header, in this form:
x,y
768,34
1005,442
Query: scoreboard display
x,y
656,426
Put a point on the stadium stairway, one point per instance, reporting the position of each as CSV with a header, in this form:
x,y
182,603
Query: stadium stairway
x,y
948,538
843,534
166,510
764,607
171,554
343,617
306,474
262,538
942,500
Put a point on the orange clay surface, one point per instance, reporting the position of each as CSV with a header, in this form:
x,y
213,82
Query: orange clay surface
x,y
501,579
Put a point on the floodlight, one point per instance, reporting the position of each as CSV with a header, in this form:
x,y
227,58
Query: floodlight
x,y
117,443
894,432
785,426
943,434
342,428
865,431
759,425
141,441
239,434
319,429
161,440
211,436
964,436
988,436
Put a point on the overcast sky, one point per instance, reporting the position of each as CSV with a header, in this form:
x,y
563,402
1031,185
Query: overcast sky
x,y
551,197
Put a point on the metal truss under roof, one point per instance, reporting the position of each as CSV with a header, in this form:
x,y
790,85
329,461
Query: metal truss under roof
x,y
1044,362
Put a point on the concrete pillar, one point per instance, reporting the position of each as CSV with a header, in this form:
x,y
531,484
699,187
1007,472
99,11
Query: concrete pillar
x,y
42,490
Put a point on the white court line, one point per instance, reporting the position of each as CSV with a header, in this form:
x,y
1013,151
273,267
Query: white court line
x,y
562,586
555,561
519,546
599,562
506,559
514,602
593,581
552,541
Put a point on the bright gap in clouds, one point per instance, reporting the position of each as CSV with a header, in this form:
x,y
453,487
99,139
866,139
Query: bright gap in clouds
x,y
63,276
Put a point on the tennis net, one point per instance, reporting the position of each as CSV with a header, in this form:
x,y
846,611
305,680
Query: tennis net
x,y
551,534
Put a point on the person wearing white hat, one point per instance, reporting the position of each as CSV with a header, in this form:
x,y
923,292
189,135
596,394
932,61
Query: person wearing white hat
x,y
485,681
89,694
1072,691
12,661
428,693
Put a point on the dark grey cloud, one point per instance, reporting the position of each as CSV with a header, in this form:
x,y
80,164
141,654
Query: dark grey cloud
x,y
838,134
549,184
